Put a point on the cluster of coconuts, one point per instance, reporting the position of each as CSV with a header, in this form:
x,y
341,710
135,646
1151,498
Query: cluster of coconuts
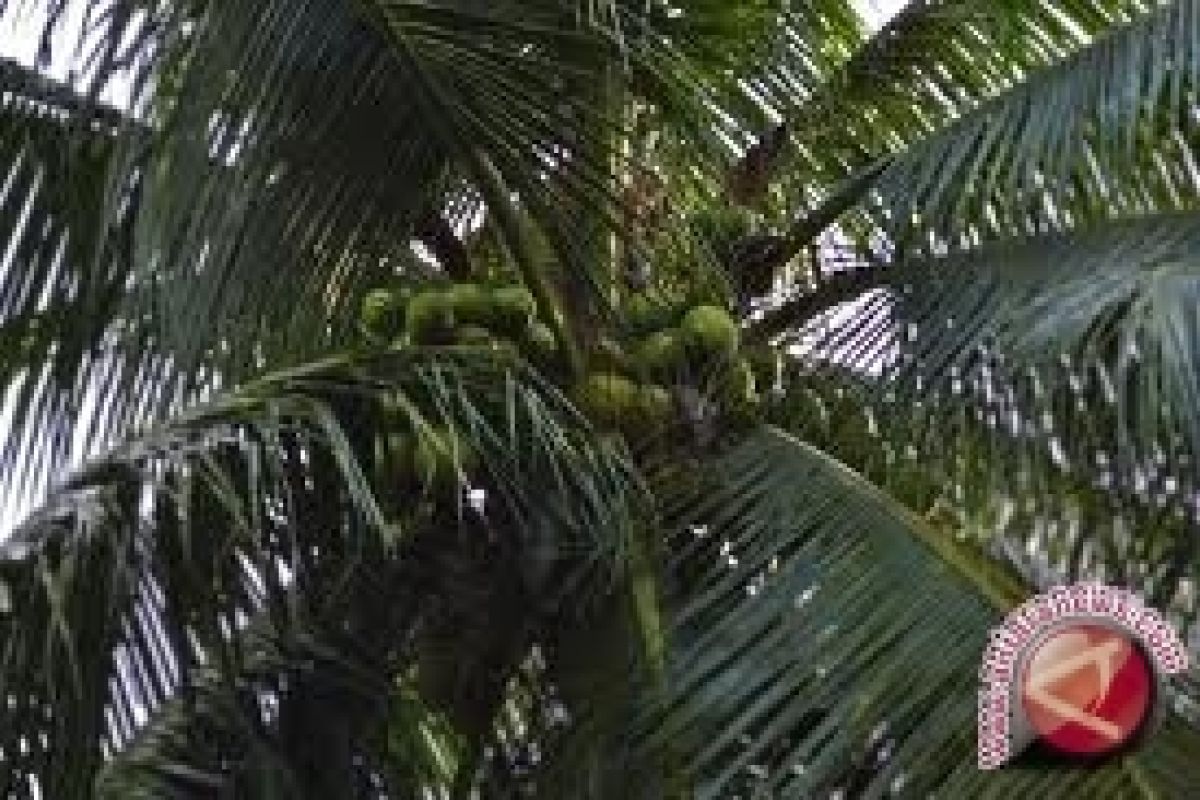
x,y
432,456
672,353
477,314
492,314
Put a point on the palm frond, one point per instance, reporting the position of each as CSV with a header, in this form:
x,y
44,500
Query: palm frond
x,y
832,643
1022,473
282,156
932,63
262,557
1118,296
1111,299
67,218
1003,121
1104,132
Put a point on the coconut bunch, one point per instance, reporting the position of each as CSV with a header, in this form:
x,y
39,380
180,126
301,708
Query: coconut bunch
x,y
673,360
431,458
667,360
484,314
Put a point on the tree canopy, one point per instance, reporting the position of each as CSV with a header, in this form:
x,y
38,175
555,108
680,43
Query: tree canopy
x,y
565,398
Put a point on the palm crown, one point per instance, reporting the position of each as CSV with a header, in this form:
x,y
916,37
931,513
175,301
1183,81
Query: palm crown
x,y
585,399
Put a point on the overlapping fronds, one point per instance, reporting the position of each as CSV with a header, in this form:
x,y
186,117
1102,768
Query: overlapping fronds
x,y
185,601
283,155
1045,390
1023,473
1117,299
262,597
933,63
832,644
1106,132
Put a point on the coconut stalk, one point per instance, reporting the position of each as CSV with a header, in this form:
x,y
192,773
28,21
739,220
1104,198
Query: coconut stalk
x,y
490,183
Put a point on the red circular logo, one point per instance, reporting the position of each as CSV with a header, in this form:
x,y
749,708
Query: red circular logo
x,y
1087,689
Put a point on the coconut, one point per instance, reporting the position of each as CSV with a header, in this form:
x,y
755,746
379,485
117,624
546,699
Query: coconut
x,y
513,309
608,399
660,353
471,303
645,313
430,317
710,332
382,315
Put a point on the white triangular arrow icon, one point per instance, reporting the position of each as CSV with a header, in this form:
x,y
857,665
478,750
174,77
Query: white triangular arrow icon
x,y
1103,657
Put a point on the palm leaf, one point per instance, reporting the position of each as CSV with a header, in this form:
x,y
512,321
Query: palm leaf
x,y
833,641
1061,366
1103,132
280,162
1047,501
174,587
1116,296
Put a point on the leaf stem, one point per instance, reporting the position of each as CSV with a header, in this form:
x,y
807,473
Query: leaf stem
x,y
491,185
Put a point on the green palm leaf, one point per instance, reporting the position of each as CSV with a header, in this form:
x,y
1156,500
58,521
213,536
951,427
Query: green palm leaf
x,y
269,579
1101,133
253,548
836,642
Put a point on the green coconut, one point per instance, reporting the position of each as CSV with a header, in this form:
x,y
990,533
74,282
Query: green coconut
x,y
645,313
430,317
608,399
659,353
383,315
720,227
471,303
513,309
710,332
681,304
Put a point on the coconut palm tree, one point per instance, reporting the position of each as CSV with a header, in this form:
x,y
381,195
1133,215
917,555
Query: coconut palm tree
x,y
550,398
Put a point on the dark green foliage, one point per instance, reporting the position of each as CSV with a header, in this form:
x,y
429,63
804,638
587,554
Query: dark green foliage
x,y
427,371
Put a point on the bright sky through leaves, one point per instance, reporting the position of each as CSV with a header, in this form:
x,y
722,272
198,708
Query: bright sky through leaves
x,y
877,12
